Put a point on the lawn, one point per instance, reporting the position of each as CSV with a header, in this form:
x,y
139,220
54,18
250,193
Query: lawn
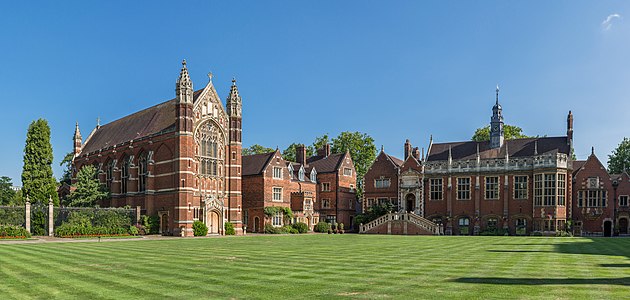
x,y
320,266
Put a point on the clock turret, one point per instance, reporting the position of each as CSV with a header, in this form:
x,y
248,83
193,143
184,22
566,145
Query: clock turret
x,y
496,124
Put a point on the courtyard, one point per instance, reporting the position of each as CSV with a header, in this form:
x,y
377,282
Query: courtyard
x,y
319,266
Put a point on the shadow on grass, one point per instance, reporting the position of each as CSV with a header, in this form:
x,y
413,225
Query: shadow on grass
x,y
596,246
520,251
544,281
615,265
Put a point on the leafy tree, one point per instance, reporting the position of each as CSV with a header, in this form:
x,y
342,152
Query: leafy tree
x,y
361,147
67,172
38,182
619,160
511,132
290,152
256,149
319,143
88,189
7,194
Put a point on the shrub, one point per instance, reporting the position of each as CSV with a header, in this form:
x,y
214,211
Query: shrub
x,y
563,233
322,227
270,229
133,230
12,231
199,228
229,229
151,224
301,227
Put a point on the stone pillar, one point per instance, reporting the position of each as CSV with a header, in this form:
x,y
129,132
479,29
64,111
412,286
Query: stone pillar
x,y
50,217
28,215
137,214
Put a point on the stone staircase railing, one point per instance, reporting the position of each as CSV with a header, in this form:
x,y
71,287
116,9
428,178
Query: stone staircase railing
x,y
409,217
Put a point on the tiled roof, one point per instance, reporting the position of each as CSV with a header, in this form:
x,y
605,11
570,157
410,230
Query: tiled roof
x,y
397,161
144,123
516,148
577,165
327,164
255,164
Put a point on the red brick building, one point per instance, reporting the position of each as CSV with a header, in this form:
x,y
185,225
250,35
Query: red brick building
x,y
179,160
336,184
600,200
319,188
519,185
268,181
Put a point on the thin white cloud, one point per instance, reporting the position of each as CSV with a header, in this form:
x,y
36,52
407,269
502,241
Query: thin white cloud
x,y
607,24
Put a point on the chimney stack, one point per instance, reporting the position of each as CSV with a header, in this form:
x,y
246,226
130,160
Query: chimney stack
x,y
300,154
407,149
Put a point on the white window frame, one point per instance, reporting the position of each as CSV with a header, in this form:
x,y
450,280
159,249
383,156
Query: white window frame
x,y
276,194
277,173
463,189
491,189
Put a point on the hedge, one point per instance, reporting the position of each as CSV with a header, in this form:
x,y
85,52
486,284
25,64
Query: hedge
x,y
13,232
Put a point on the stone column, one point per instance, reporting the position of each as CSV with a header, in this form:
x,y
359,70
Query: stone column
x,y
138,214
50,217
28,215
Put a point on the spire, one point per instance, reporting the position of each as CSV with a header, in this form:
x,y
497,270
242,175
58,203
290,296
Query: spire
x,y
78,142
234,101
496,124
77,132
184,86
497,102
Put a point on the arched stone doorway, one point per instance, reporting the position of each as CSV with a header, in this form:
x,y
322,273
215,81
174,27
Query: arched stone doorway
x,y
410,202
623,226
164,223
256,224
214,222
608,228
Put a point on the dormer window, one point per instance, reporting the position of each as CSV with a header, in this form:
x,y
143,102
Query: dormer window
x,y
301,174
290,168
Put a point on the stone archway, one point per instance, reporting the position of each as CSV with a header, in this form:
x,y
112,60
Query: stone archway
x,y
607,228
410,202
214,222
256,224
623,226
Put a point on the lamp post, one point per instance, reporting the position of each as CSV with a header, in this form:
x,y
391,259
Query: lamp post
x,y
615,184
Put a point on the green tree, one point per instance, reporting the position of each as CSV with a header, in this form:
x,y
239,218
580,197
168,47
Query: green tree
x,y
511,132
319,143
88,189
67,172
38,182
619,160
256,149
360,146
290,152
7,194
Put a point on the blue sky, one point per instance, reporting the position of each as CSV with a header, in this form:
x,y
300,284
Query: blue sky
x,y
392,69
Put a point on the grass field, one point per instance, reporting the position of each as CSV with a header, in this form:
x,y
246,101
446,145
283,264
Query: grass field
x,y
320,266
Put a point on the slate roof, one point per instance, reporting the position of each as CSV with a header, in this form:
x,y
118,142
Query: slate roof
x,y
516,148
144,123
327,164
255,164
